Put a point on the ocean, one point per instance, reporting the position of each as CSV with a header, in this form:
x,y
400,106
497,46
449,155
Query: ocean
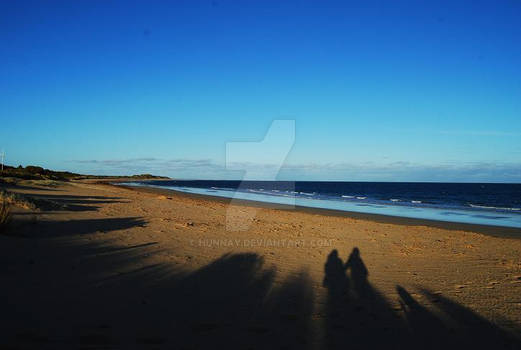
x,y
475,203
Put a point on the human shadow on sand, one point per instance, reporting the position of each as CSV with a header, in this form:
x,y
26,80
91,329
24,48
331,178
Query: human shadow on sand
x,y
358,316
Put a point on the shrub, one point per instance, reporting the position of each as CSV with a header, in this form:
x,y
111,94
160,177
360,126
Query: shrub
x,y
5,215
34,169
16,199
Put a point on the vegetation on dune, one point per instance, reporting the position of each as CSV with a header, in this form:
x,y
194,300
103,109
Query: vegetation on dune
x,y
5,214
10,198
32,172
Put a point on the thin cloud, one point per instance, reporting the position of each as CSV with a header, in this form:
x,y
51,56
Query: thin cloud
x,y
493,133
459,132
114,161
341,171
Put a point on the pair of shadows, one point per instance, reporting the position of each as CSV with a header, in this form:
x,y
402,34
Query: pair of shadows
x,y
357,314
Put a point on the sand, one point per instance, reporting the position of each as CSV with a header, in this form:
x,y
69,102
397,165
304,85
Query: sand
x,y
100,266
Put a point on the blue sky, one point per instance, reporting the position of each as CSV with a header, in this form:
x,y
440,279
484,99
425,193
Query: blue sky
x,y
379,91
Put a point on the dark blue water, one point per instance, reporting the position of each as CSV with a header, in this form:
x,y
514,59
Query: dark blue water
x,y
492,197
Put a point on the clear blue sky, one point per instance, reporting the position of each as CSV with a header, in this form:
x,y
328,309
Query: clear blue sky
x,y
391,90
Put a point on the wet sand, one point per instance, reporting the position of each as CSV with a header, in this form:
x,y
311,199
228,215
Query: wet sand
x,y
105,266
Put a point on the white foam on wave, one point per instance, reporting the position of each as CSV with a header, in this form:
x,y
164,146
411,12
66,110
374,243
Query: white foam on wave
x,y
217,188
348,196
308,194
394,200
361,197
493,208
416,202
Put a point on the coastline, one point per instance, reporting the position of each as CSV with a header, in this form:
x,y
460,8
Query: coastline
x,y
496,231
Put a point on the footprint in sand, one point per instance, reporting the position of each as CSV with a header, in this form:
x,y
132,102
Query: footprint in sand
x,y
491,285
459,287
163,197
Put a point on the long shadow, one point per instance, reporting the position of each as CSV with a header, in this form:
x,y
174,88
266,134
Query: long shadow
x,y
426,329
74,197
54,228
471,329
9,186
358,316
82,295
62,202
51,202
285,321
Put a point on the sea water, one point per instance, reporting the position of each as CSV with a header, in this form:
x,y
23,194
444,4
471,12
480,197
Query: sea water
x,y
473,203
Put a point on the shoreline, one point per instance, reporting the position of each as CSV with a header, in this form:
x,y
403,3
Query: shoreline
x,y
496,231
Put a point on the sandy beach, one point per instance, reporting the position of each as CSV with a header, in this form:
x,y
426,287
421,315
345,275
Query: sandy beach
x,y
252,175
101,266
